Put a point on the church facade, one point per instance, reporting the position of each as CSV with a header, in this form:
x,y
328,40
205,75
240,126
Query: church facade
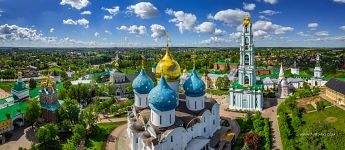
x,y
246,94
164,119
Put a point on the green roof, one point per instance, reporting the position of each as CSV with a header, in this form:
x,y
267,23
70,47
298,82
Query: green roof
x,y
257,86
52,107
19,86
12,110
220,62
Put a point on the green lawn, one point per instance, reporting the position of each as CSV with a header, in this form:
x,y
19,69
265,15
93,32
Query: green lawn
x,y
332,116
6,86
97,142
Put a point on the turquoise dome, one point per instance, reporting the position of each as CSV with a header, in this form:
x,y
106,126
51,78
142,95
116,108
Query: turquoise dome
x,y
142,84
194,86
162,97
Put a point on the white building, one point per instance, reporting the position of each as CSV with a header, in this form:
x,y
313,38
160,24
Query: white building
x,y
283,86
295,69
317,79
246,93
268,83
161,119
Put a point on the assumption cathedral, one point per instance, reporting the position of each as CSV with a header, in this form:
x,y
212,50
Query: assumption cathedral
x,y
162,118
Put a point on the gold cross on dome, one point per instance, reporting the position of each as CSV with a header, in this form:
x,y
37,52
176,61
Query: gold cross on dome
x,y
167,38
193,56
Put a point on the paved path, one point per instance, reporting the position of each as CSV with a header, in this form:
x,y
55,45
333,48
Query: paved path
x,y
271,114
22,137
103,119
115,136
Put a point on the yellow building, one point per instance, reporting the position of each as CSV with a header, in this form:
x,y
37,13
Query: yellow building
x,y
335,90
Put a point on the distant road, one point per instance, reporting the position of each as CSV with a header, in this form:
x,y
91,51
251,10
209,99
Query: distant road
x,y
24,79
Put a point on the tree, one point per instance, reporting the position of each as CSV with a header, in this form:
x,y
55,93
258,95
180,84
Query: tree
x,y
219,82
245,147
32,83
67,84
33,111
62,93
47,133
69,110
252,139
89,116
79,132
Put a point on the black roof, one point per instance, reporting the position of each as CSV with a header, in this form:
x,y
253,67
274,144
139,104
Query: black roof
x,y
336,85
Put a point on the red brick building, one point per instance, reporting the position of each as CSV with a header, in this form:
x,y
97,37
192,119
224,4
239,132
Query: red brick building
x,y
49,101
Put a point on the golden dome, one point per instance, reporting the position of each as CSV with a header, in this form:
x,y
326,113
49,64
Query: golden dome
x,y
168,67
246,20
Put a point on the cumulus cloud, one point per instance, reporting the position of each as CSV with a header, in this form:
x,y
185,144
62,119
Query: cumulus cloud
x,y
302,34
15,33
112,12
133,29
86,12
322,33
249,6
271,1
229,16
264,18
213,40
78,4
270,27
108,32
313,26
51,30
269,12
208,27
184,21
96,34
219,32
83,22
158,31
339,1
342,28
144,10
258,34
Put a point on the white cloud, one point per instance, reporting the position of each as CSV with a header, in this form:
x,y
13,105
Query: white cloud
x,y
235,35
206,27
322,33
264,18
269,12
213,40
158,31
144,10
184,21
339,1
260,34
86,12
108,32
107,17
219,32
342,28
83,22
96,34
230,16
257,34
78,4
15,33
270,27
313,26
249,6
51,30
302,34
133,29
271,1
1,11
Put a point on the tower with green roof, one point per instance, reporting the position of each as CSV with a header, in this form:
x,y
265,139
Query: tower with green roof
x,y
246,93
19,90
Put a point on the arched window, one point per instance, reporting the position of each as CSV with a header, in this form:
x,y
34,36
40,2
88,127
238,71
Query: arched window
x,y
246,41
246,59
246,80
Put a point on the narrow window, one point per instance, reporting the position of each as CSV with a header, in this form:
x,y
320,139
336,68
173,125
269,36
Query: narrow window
x,y
139,101
171,139
214,122
204,130
160,119
137,140
170,118
195,105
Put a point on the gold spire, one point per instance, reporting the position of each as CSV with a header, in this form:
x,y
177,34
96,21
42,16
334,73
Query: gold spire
x,y
193,56
20,74
246,20
167,66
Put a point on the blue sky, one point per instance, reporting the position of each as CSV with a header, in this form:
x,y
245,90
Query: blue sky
x,y
90,23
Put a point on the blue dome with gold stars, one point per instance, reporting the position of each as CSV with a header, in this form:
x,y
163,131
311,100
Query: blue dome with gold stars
x,y
142,84
162,97
194,86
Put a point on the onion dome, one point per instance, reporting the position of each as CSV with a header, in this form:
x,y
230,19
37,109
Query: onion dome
x,y
194,86
142,84
162,97
168,68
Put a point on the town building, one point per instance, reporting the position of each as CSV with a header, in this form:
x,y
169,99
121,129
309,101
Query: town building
x,y
268,83
49,100
335,90
246,93
295,69
224,65
19,90
55,76
317,79
163,119
283,86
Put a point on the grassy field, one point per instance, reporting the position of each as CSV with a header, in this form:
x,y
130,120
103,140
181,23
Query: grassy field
x,y
97,142
332,116
6,86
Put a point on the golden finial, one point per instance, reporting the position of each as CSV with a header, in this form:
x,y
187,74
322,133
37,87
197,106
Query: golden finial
x,y
20,74
167,39
246,20
193,56
142,61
